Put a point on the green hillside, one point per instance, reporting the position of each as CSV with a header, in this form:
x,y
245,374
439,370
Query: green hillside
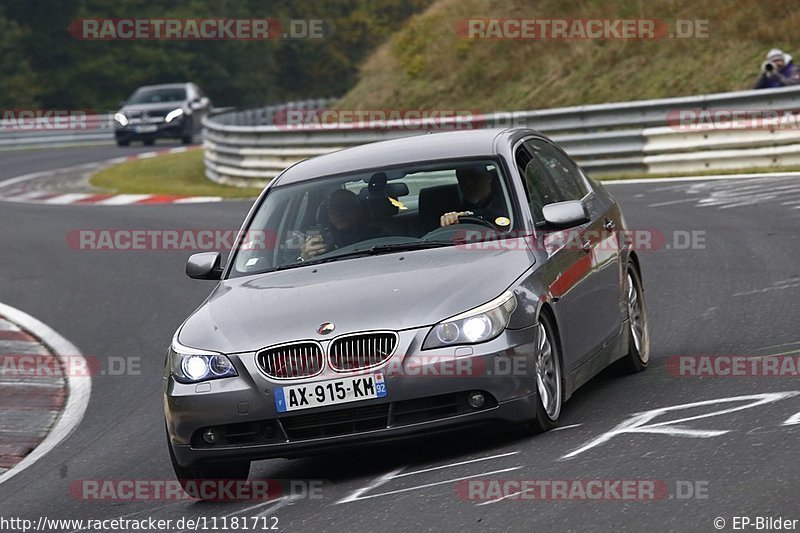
x,y
426,65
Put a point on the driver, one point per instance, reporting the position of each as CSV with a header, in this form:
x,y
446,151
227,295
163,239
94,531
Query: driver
x,y
478,196
346,222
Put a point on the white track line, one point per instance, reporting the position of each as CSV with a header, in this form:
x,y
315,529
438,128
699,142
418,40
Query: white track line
x,y
25,177
566,427
435,483
454,464
377,482
703,178
80,387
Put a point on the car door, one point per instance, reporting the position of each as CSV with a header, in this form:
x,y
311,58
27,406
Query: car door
x,y
567,271
600,234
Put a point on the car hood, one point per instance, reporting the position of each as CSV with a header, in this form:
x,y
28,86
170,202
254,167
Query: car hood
x,y
392,291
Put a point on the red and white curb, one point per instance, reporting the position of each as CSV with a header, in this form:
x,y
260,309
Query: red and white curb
x,y
18,189
45,197
38,411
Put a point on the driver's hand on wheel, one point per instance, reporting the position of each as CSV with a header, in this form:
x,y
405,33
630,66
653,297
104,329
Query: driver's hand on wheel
x,y
313,245
448,219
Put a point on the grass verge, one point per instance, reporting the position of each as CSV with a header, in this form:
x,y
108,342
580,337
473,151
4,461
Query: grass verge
x,y
180,174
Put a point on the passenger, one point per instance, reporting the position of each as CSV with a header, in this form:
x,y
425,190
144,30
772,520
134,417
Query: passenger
x,y
347,224
777,71
479,196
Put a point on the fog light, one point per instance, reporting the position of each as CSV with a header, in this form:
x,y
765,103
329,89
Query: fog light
x,y
268,430
476,400
211,435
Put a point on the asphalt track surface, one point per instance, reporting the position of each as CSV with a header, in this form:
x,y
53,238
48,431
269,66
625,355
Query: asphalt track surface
x,y
736,295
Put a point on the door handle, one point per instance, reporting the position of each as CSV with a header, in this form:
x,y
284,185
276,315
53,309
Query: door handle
x,y
609,225
587,246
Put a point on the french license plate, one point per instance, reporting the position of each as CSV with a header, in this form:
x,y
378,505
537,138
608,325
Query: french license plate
x,y
330,392
150,128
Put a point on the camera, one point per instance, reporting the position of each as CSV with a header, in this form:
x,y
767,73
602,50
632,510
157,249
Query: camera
x,y
768,66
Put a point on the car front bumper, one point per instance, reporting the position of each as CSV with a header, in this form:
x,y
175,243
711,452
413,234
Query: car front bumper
x,y
425,394
173,129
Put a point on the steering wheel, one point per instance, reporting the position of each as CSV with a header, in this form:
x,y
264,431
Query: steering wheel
x,y
474,219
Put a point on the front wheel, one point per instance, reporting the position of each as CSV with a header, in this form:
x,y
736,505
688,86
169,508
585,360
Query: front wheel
x,y
187,139
548,378
639,343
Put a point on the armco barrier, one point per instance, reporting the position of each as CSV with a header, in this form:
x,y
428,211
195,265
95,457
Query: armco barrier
x,y
244,147
99,129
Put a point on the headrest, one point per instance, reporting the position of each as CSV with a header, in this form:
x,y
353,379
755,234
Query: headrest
x,y
396,189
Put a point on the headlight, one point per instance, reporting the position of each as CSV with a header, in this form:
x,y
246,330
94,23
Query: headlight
x,y
477,325
121,118
172,115
191,366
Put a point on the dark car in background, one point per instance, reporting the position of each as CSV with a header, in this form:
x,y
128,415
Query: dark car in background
x,y
173,110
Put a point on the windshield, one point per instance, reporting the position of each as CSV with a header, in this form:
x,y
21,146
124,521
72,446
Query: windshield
x,y
157,96
374,212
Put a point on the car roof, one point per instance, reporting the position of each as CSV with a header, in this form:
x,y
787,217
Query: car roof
x,y
416,148
164,86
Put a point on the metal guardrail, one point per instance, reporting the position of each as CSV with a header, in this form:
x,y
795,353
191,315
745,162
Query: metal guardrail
x,y
245,147
96,129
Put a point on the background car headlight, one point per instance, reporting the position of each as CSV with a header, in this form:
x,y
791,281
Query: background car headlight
x,y
188,365
481,324
172,115
121,119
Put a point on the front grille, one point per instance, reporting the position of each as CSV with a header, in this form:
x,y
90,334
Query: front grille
x,y
336,423
288,361
362,350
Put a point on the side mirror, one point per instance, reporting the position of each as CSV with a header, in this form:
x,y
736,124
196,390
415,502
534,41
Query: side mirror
x,y
206,265
198,103
565,214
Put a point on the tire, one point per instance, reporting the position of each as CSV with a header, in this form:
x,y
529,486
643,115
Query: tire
x,y
149,142
549,378
638,356
187,139
232,470
123,143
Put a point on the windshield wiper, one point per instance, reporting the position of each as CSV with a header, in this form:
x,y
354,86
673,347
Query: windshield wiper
x,y
408,246
377,250
372,250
